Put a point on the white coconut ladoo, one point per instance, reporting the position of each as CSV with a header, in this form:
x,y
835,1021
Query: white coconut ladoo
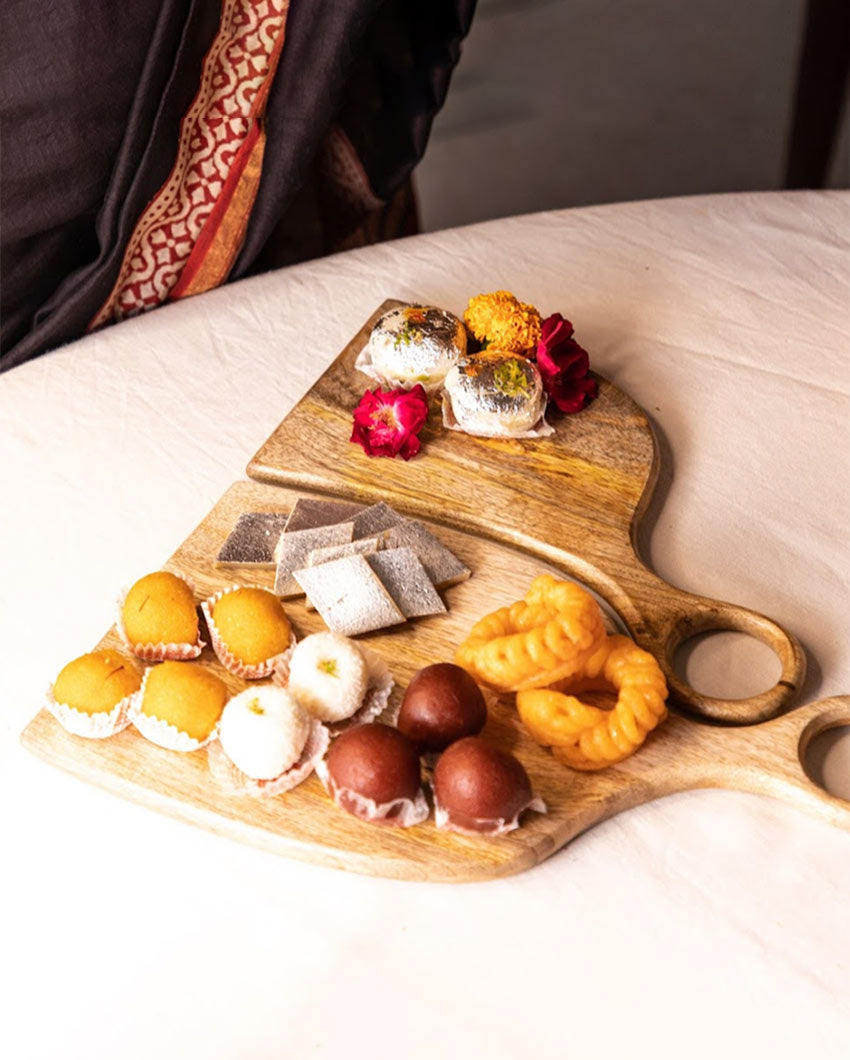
x,y
328,676
263,731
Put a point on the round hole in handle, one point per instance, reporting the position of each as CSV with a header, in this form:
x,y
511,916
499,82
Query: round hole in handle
x,y
726,664
714,617
824,751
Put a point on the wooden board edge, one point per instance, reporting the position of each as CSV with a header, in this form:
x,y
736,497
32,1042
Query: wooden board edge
x,y
524,857
255,468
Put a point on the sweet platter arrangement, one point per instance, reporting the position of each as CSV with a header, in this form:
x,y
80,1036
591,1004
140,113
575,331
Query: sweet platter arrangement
x,y
421,643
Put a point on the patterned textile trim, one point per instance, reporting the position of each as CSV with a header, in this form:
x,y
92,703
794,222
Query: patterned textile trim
x,y
220,143
212,258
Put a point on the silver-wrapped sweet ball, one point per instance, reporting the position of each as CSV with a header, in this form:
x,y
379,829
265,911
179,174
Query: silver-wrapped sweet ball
x,y
416,344
495,394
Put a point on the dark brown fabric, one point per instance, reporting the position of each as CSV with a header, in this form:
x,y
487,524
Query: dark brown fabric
x,y
91,98
99,90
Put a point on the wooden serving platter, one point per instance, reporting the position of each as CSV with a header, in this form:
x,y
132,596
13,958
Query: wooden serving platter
x,y
304,823
574,499
510,509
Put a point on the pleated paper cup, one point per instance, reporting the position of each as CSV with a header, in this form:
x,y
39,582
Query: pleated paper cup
x,y
247,671
95,726
229,777
401,813
162,732
375,700
159,652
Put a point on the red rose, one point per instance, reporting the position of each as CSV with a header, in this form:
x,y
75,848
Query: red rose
x,y
387,422
564,365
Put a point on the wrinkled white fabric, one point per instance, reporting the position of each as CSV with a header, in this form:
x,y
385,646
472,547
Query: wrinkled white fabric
x,y
706,924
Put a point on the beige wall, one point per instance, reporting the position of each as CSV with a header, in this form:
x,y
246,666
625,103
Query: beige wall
x,y
569,102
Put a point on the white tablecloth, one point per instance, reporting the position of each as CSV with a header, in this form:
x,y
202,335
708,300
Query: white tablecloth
x,y
706,923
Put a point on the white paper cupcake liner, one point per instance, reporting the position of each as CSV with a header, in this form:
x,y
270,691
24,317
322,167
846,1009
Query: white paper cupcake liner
x,y
366,365
250,672
158,652
378,690
161,732
541,429
377,696
401,813
96,726
235,782
490,826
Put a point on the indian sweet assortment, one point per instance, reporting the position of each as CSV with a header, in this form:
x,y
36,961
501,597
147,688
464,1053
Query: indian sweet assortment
x,y
315,704
497,373
271,704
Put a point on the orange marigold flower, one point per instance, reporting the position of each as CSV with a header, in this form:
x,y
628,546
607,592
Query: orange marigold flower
x,y
500,319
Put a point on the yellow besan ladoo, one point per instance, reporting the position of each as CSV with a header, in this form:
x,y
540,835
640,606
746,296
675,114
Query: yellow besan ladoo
x,y
160,609
186,695
96,682
252,625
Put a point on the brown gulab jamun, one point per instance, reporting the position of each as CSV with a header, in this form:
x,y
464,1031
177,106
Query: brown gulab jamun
x,y
373,772
442,704
480,789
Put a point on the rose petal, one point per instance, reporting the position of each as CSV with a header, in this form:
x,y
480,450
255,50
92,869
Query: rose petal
x,y
569,357
411,408
555,328
411,447
571,395
564,365
365,412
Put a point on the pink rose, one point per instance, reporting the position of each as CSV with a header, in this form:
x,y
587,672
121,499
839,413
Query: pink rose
x,y
387,422
564,365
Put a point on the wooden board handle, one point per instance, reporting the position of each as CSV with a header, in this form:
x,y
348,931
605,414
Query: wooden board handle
x,y
661,618
770,759
704,616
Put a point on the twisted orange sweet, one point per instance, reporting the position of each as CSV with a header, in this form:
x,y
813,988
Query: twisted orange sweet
x,y
590,738
547,636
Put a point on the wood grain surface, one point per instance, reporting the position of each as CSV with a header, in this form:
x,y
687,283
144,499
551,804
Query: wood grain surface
x,y
574,499
304,823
